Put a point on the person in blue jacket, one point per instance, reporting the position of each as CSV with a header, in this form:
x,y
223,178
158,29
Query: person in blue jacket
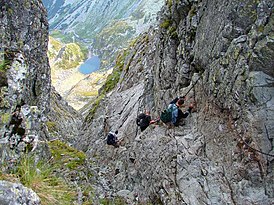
x,y
177,113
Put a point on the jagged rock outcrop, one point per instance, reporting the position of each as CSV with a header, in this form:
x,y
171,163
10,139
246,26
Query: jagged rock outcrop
x,y
228,47
24,38
25,82
17,194
24,44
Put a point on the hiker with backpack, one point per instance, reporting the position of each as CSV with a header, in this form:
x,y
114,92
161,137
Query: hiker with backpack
x,y
18,131
173,114
144,120
17,122
112,139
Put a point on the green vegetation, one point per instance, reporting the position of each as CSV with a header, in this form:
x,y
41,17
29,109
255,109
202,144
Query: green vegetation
x,y
5,118
41,178
94,108
133,42
114,77
4,65
116,201
44,177
10,11
52,127
192,12
64,38
68,38
71,57
169,4
66,155
54,47
260,28
88,93
172,32
165,24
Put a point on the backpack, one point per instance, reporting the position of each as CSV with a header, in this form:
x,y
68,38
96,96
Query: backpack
x,y
166,115
110,139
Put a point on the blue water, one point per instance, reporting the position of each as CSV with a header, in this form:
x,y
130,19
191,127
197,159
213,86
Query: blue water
x,y
90,65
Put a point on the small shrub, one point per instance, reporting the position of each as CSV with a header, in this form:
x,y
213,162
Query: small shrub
x,y
4,65
165,24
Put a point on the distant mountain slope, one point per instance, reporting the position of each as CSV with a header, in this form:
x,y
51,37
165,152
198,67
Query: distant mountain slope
x,y
102,26
88,17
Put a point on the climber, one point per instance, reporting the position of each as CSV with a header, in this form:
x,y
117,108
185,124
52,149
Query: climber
x,y
144,120
17,122
112,139
16,117
173,114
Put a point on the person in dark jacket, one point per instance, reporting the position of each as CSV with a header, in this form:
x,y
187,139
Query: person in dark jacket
x,y
177,113
112,139
17,122
144,120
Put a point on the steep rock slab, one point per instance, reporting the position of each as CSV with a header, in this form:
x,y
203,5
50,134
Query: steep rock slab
x,y
224,153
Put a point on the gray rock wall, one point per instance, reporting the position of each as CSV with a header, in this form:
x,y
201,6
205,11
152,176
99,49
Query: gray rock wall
x,y
17,194
227,46
24,38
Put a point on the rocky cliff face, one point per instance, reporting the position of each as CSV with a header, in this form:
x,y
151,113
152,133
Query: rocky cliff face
x,y
24,44
25,68
25,81
24,37
216,157
224,152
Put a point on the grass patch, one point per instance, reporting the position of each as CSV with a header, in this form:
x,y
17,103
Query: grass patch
x,y
41,179
42,176
64,38
9,177
5,118
71,57
63,154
